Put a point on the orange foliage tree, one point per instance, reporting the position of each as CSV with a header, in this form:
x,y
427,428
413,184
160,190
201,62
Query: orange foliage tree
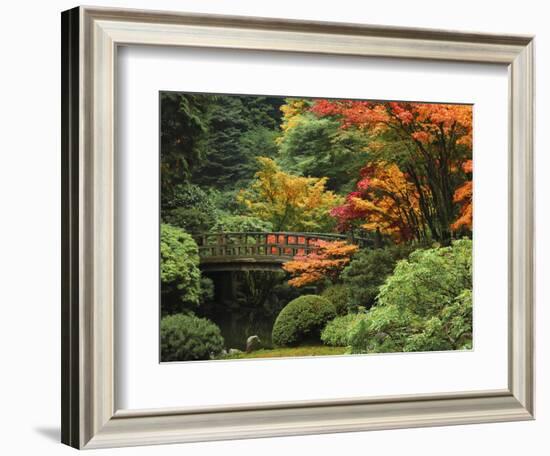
x,y
325,262
463,196
386,202
428,142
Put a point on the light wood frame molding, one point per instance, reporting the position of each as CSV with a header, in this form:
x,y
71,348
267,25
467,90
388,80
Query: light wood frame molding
x,y
90,38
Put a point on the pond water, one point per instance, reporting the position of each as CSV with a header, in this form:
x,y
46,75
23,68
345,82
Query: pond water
x,y
247,303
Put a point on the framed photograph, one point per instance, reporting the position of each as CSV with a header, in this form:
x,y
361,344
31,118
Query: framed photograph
x,y
276,227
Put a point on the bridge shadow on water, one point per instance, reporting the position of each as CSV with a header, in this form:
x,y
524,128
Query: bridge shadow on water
x,y
247,303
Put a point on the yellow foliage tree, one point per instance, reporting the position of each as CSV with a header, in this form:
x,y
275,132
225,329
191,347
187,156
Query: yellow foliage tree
x,y
293,111
290,203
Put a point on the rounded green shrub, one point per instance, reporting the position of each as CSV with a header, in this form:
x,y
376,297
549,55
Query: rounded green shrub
x,y
339,296
337,332
186,337
302,320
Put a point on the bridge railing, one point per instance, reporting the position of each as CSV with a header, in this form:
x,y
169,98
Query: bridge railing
x,y
255,244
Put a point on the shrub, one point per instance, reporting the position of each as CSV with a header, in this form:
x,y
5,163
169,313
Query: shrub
x,y
359,337
385,329
190,219
336,332
179,267
339,296
425,305
186,195
187,338
302,320
367,272
431,279
226,202
188,207
452,329
240,223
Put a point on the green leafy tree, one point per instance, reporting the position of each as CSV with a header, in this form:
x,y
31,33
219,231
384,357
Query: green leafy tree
x,y
190,219
451,329
241,223
188,207
431,279
425,305
179,270
226,202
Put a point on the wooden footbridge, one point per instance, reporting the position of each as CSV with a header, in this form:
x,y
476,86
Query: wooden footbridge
x,y
260,250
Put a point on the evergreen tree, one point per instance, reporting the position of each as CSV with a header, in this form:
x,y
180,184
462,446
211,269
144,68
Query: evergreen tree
x,y
240,128
321,148
182,128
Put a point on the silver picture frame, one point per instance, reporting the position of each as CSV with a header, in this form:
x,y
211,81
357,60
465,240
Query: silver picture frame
x,y
90,39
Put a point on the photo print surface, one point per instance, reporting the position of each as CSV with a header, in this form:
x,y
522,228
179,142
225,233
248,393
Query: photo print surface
x,y
294,227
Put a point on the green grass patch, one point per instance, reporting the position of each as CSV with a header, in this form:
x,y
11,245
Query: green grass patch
x,y
316,350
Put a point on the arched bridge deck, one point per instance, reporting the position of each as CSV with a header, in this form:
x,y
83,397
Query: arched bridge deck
x,y
259,250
